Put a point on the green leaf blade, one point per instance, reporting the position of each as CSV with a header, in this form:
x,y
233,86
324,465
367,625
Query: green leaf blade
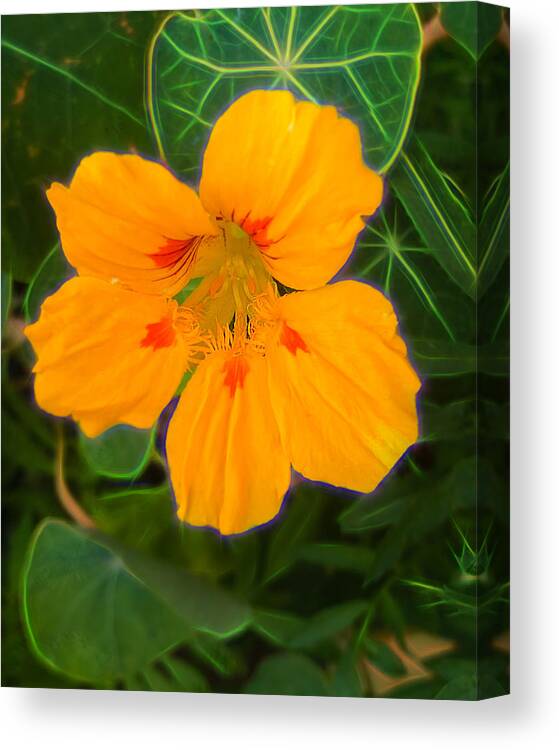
x,y
120,452
440,216
50,275
327,623
494,231
473,25
287,674
99,611
86,615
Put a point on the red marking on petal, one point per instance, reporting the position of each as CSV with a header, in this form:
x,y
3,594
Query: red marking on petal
x,y
256,228
169,253
160,334
292,340
236,370
174,252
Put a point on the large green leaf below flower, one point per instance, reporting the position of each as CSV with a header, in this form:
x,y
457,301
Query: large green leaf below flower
x,y
98,611
363,59
86,613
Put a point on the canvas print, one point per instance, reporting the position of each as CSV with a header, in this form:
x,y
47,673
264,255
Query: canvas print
x,y
255,313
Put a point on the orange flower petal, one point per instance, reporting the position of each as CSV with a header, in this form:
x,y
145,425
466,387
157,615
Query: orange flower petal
x,y
342,387
227,466
127,218
290,173
106,355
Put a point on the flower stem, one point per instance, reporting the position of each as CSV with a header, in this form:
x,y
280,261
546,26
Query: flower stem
x,y
67,500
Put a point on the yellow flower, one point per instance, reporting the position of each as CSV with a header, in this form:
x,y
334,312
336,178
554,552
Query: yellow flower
x,y
317,379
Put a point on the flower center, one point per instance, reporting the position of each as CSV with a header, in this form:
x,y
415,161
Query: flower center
x,y
242,266
234,275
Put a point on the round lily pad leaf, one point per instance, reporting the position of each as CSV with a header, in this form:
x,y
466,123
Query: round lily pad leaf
x,y
86,613
120,452
99,611
364,60
50,275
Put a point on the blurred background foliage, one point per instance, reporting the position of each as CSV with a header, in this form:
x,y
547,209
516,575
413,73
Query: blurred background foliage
x,y
401,593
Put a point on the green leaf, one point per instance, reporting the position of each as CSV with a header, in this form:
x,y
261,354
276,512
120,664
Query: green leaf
x,y
346,682
201,605
441,359
452,421
473,25
29,436
424,502
169,674
184,676
393,615
383,507
246,551
439,214
295,528
97,610
158,681
373,512
136,516
328,623
460,689
52,272
393,257
383,657
391,548
468,679
365,60
119,452
287,674
494,229
349,557
277,627
6,296
86,613
221,657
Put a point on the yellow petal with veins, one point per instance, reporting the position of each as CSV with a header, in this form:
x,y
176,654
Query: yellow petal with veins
x,y
292,174
127,218
343,390
106,355
227,466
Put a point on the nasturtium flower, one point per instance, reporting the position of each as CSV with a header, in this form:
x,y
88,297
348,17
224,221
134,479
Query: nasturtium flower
x,y
316,379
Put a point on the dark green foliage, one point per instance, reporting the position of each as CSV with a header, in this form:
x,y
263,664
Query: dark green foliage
x,y
86,613
72,84
473,25
50,275
120,452
288,674
313,603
